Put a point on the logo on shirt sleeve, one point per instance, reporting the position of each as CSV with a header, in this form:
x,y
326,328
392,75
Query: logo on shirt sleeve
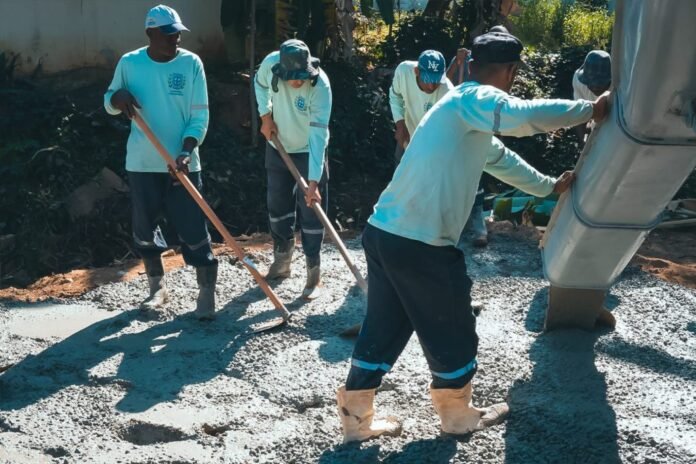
x,y
177,83
301,103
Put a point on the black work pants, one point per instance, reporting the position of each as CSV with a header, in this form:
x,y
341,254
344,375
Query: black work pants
x,y
284,199
155,194
417,287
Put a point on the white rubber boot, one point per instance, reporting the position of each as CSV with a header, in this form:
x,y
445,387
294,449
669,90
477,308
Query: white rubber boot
x,y
356,411
313,288
155,278
282,259
457,414
205,304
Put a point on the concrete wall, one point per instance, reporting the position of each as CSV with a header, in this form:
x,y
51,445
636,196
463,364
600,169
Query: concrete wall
x,y
68,34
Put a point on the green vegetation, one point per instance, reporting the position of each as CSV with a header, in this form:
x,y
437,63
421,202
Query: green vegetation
x,y
550,24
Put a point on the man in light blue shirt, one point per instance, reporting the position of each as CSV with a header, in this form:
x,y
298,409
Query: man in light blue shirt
x,y
294,99
417,277
416,87
167,85
458,73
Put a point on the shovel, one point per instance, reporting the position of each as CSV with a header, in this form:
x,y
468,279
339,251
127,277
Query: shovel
x,y
212,217
320,213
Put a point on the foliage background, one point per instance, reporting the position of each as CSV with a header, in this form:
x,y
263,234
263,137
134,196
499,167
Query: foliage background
x,y
55,136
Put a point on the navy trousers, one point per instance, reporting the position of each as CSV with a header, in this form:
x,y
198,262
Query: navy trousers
x,y
285,202
154,195
417,287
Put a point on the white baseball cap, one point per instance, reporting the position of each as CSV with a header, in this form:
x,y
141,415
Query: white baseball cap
x,y
164,18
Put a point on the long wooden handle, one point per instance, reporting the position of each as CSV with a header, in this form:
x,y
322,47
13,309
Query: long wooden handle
x,y
320,213
210,214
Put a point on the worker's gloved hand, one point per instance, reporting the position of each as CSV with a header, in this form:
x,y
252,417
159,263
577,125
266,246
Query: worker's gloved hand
x,y
401,135
564,182
268,126
312,195
182,163
125,102
462,55
600,107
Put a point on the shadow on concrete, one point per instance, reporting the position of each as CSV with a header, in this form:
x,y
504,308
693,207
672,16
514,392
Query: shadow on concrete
x,y
157,363
561,413
691,327
649,358
433,450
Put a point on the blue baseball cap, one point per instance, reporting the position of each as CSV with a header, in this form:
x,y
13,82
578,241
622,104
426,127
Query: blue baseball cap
x,y
296,62
432,66
596,70
164,18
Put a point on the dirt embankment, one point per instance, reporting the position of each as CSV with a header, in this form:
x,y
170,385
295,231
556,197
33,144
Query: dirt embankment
x,y
669,254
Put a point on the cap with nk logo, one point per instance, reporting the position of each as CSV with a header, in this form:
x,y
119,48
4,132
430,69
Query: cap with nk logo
x,y
432,67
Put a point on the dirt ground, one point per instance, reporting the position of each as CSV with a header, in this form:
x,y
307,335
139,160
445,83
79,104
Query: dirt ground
x,y
90,380
669,254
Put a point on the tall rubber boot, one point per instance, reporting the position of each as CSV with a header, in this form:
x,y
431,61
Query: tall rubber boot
x,y
458,416
205,304
478,226
356,411
282,258
313,288
155,277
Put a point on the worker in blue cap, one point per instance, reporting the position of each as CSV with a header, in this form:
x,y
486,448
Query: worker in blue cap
x,y
591,80
416,87
167,85
417,277
458,72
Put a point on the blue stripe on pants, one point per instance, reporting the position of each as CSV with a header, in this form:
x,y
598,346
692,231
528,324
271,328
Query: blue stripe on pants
x,y
415,287
283,200
154,194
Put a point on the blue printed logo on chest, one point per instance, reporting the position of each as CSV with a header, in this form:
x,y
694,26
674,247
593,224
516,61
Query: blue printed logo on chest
x,y
301,103
427,106
177,83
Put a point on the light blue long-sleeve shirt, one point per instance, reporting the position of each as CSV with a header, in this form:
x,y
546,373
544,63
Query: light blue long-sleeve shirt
x,y
302,115
434,186
407,100
174,101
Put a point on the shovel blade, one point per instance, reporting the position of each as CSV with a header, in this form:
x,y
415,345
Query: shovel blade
x,y
351,332
269,325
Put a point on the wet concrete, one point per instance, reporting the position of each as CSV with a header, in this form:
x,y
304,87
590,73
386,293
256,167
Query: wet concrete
x,y
94,381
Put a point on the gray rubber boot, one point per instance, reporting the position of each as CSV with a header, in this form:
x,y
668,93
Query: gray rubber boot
x,y
155,277
282,258
478,226
205,304
312,288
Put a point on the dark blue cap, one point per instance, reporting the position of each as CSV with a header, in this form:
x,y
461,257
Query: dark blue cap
x,y
432,66
499,28
596,70
497,47
296,62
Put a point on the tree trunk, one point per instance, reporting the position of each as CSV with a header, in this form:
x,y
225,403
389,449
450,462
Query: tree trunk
x,y
345,12
491,13
252,65
436,8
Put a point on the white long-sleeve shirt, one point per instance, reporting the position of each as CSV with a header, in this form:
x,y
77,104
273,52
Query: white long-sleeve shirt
x,y
302,115
407,100
174,101
580,90
434,186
